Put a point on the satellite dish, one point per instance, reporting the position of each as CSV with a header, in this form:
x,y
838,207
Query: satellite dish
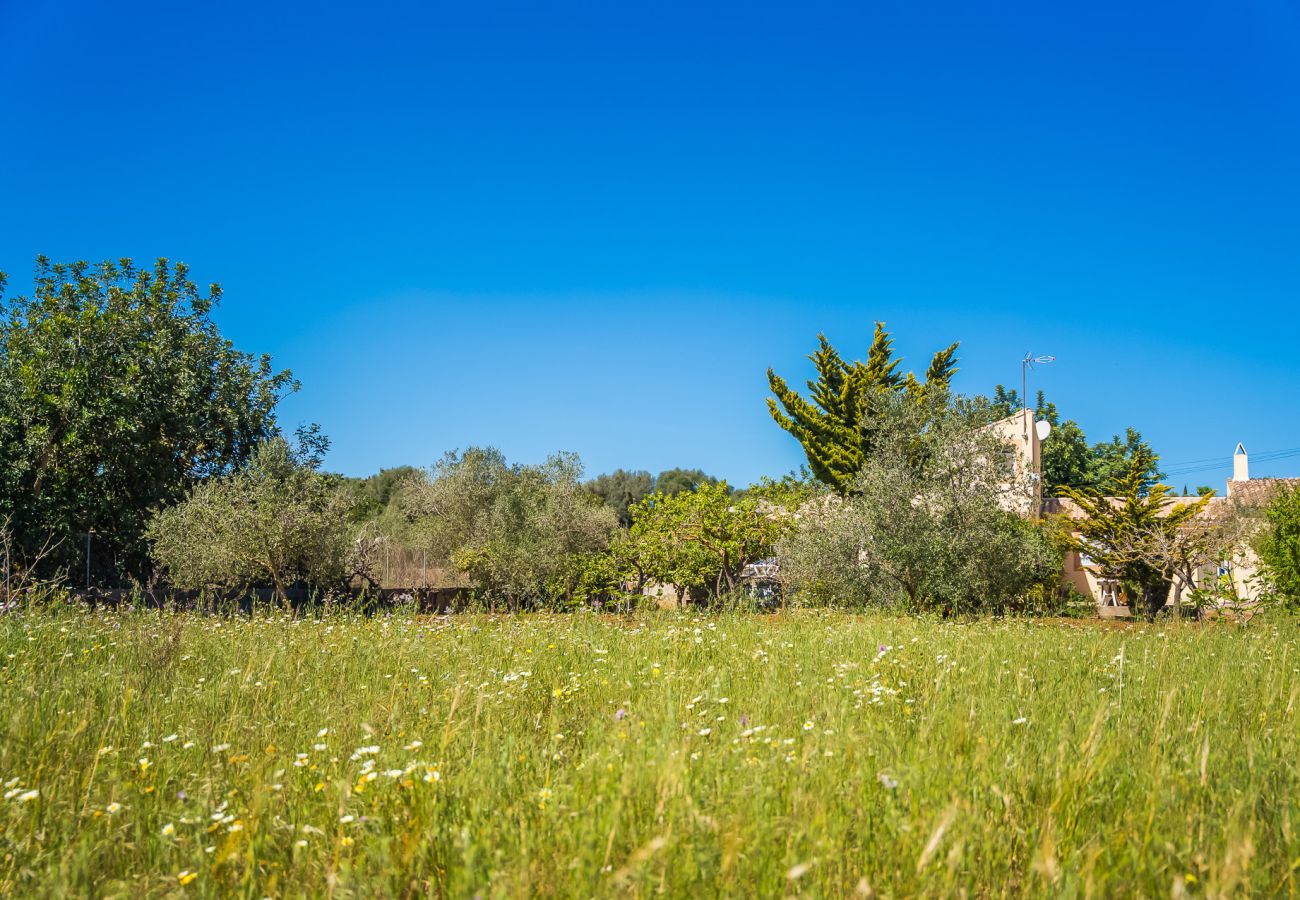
x,y
1042,428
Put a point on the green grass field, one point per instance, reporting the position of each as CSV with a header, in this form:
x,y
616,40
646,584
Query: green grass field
x,y
156,755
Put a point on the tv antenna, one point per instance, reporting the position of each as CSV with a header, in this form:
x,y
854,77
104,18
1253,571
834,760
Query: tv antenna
x,y
1025,365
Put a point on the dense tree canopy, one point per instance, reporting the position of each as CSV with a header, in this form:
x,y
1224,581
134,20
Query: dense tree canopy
x,y
790,492
117,394
278,521
519,533
376,493
1112,461
700,541
675,481
620,489
928,525
835,425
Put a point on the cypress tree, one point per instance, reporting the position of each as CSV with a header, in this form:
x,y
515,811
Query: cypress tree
x,y
835,427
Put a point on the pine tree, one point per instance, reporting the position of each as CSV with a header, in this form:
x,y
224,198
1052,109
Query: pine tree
x,y
835,428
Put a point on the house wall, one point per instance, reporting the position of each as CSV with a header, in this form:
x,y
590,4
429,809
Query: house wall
x,y
1018,433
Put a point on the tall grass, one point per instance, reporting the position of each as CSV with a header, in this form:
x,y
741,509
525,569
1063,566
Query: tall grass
x,y
804,754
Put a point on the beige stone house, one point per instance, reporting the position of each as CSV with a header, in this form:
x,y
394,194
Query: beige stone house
x,y
1023,438
1238,574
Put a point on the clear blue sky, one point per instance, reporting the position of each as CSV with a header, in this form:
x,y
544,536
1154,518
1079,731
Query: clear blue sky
x,y
593,227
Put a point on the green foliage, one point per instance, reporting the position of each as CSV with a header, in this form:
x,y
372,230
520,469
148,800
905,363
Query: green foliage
x,y
835,427
1045,598
1067,459
1007,401
620,489
117,394
699,541
1279,546
1130,529
383,528
374,494
277,521
929,525
674,481
520,534
1113,461
791,491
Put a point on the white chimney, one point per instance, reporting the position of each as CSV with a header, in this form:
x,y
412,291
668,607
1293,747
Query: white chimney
x,y
1240,466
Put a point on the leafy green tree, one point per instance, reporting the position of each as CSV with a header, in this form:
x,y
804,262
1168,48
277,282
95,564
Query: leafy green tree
x,y
928,525
374,493
1067,459
835,426
700,541
1007,401
675,481
1128,526
1112,461
384,536
620,489
117,394
1279,546
520,534
278,521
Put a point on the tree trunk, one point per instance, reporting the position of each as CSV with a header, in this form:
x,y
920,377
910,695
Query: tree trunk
x,y
279,588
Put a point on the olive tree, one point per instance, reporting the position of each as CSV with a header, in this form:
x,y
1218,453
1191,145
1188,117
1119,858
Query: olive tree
x,y
279,520
520,534
620,489
927,525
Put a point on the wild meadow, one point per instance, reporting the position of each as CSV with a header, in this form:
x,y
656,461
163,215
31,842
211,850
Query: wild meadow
x,y
805,754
